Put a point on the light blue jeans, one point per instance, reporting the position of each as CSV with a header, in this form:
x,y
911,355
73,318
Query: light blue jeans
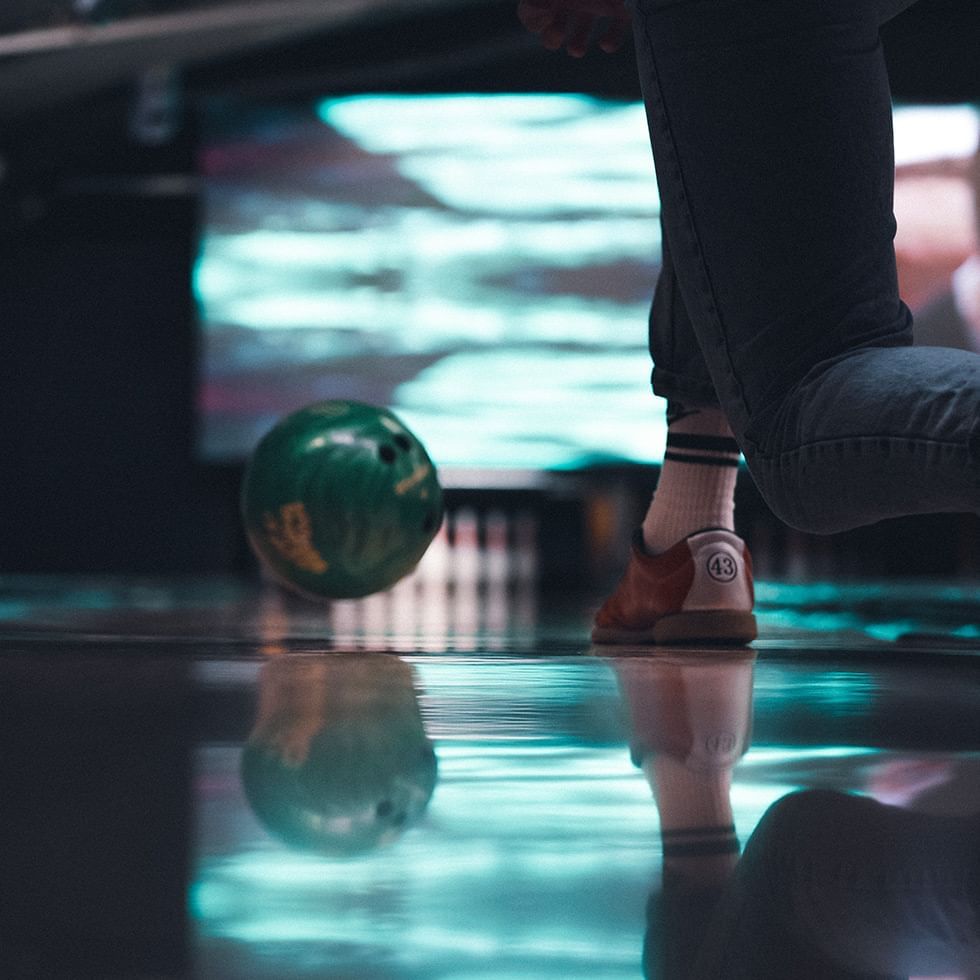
x,y
771,128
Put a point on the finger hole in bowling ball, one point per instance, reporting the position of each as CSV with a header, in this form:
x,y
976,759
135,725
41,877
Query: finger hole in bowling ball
x,y
387,454
402,442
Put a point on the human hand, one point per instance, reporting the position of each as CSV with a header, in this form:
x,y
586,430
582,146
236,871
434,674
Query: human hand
x,y
575,24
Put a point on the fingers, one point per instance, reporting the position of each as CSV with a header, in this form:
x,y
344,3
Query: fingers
x,y
573,26
613,34
546,18
553,36
535,15
578,35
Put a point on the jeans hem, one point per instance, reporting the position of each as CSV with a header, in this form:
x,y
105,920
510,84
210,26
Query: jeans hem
x,y
684,388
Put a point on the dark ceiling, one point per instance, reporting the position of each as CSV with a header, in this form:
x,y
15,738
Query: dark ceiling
x,y
55,51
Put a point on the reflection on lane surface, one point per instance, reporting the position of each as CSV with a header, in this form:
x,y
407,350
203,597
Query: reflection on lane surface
x,y
541,852
831,884
338,761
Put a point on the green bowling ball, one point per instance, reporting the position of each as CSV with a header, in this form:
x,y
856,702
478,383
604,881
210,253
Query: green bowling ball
x,y
340,500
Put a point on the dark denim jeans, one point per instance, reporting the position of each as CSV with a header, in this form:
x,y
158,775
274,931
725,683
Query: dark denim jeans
x,y
839,887
771,128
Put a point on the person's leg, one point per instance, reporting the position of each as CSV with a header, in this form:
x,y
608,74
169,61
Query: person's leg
x,y
770,121
696,488
689,577
689,722
855,887
680,373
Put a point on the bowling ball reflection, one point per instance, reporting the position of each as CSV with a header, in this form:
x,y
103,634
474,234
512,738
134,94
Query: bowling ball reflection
x,y
338,761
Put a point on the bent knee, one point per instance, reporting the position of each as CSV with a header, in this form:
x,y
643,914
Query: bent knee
x,y
788,490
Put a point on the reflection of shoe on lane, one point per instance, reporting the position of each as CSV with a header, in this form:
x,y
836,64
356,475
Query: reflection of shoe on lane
x,y
698,591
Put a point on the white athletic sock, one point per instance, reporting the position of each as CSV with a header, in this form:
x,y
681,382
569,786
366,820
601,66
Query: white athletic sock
x,y
696,489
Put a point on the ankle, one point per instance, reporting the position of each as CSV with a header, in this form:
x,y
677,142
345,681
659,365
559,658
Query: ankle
x,y
696,489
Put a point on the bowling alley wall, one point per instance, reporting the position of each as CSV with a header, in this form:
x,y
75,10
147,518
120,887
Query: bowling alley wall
x,y
426,213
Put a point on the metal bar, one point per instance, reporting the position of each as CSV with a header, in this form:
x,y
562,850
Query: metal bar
x,y
287,14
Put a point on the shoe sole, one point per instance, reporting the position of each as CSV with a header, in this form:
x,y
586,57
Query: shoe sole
x,y
715,626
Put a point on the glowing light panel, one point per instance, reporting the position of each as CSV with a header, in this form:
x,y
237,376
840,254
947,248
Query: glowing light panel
x,y
483,264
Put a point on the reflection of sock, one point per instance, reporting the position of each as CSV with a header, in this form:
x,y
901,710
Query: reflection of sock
x,y
700,846
696,489
691,842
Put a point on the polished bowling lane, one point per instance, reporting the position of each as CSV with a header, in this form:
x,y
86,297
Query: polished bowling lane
x,y
215,780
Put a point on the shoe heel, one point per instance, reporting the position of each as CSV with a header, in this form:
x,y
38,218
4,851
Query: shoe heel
x,y
706,626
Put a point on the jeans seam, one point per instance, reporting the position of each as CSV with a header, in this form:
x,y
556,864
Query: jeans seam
x,y
916,441
673,161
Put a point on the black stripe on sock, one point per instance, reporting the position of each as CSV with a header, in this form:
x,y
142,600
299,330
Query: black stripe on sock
x,y
726,829
705,848
717,444
701,460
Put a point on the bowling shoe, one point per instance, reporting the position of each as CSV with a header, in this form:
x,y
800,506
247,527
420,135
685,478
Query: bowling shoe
x,y
698,591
